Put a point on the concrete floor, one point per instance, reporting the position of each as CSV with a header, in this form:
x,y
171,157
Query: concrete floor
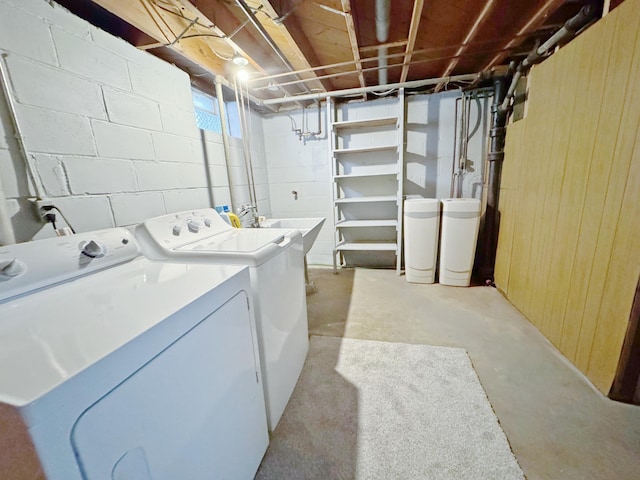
x,y
558,424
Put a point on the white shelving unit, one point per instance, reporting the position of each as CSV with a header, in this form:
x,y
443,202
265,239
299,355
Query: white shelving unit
x,y
367,158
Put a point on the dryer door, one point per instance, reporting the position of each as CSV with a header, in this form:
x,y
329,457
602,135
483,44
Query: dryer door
x,y
194,411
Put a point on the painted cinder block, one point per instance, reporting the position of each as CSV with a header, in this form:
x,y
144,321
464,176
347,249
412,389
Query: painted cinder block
x,y
172,148
123,142
52,174
159,175
133,110
88,175
193,175
43,86
215,153
221,196
87,59
179,121
151,83
36,45
123,49
54,14
198,147
218,175
13,175
181,200
86,213
48,131
133,208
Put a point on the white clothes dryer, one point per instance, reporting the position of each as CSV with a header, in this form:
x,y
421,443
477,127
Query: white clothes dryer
x,y
116,367
275,259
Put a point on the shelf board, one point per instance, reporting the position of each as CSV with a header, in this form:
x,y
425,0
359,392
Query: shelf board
x,y
377,148
366,246
366,223
379,198
372,122
364,175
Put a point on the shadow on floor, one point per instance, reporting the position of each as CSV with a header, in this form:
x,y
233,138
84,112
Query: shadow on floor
x,y
319,442
328,307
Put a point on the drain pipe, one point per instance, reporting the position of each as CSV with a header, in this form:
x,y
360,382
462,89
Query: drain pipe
x,y
539,53
383,9
225,133
489,242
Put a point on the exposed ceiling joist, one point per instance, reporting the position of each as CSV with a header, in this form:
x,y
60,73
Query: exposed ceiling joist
x,y
302,46
411,38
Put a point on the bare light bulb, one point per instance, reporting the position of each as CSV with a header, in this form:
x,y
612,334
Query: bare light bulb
x,y
242,75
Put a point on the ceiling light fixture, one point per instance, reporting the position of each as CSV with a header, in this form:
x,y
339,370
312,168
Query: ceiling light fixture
x,y
240,60
242,75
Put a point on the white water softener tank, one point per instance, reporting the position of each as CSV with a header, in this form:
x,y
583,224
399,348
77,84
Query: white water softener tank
x,y
460,223
421,227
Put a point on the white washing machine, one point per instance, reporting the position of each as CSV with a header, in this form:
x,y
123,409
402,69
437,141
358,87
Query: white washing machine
x,y
116,367
276,263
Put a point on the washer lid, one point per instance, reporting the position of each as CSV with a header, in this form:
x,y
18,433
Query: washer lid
x,y
245,240
51,335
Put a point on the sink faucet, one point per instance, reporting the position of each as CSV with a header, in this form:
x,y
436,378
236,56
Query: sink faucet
x,y
248,209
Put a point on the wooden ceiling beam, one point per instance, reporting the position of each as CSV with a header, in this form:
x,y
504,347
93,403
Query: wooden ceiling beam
x,y
534,22
480,19
353,39
164,28
375,48
411,38
296,39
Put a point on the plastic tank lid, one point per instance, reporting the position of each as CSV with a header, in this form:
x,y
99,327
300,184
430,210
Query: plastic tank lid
x,y
461,205
422,205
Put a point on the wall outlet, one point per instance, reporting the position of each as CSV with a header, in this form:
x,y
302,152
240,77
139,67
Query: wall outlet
x,y
41,207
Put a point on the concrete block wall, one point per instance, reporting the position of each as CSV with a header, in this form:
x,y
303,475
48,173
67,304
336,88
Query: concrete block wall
x,y
111,129
301,166
304,166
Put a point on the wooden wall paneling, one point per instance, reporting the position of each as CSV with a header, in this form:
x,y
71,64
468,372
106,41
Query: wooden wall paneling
x,y
616,151
518,276
548,81
624,265
594,54
606,114
566,61
619,290
571,196
508,199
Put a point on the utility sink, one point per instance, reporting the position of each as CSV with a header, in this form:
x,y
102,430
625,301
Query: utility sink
x,y
309,227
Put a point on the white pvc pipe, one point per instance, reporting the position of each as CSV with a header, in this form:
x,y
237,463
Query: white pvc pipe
x,y
225,134
7,235
359,90
31,171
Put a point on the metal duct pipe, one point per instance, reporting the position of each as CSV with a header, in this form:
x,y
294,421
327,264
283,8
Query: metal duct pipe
x,y
489,238
568,30
383,10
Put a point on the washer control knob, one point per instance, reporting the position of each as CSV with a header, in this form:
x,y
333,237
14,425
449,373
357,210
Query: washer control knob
x,y
177,229
94,249
194,226
13,268
208,222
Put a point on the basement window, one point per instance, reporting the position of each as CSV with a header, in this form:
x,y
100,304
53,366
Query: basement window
x,y
208,114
